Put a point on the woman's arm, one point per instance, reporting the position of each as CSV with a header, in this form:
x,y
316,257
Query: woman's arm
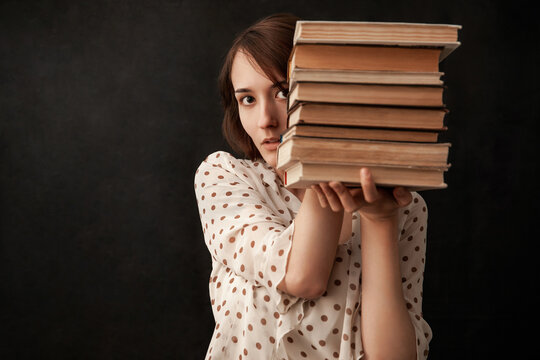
x,y
387,330
313,250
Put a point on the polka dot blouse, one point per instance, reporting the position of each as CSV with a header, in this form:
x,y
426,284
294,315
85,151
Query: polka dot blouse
x,y
247,217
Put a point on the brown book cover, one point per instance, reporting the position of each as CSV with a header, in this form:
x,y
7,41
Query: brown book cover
x,y
354,57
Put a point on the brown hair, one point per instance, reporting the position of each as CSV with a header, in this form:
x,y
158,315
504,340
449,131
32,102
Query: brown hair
x,y
269,42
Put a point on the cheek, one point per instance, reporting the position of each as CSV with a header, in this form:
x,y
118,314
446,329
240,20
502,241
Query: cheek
x,y
283,115
247,122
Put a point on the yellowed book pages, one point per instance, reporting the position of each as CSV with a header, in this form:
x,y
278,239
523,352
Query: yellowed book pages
x,y
397,95
303,175
444,36
359,133
367,115
366,77
343,151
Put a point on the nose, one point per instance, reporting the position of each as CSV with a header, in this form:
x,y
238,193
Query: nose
x,y
268,114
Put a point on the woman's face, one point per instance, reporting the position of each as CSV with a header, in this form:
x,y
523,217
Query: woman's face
x,y
262,106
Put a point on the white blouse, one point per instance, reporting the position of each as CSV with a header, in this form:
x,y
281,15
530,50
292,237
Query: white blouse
x,y
247,217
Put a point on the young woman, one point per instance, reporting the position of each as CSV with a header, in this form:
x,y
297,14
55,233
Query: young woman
x,y
321,273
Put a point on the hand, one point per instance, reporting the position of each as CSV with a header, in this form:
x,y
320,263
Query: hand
x,y
376,204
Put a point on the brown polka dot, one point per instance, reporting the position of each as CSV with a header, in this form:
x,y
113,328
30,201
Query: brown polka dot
x,y
336,354
335,331
273,268
303,354
309,327
324,318
286,302
238,315
272,340
289,339
276,315
263,321
337,282
266,298
322,342
234,339
337,307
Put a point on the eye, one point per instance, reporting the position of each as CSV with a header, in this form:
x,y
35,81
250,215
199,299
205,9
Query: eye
x,y
282,94
247,100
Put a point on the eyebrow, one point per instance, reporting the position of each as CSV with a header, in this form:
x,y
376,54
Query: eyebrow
x,y
278,84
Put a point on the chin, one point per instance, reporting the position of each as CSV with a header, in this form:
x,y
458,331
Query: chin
x,y
271,159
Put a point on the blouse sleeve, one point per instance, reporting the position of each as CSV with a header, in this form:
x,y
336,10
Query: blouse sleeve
x,y
241,229
412,251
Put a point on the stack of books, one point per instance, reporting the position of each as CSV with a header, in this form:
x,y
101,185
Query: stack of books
x,y
366,94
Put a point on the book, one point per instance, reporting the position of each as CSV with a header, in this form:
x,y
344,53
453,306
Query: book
x,y
365,77
302,175
385,58
349,151
359,133
366,94
444,36
367,116
399,95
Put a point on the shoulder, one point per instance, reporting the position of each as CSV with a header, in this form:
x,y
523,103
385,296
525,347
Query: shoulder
x,y
415,214
221,166
417,205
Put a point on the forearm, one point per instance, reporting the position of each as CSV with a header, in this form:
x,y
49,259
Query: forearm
x,y
313,249
387,330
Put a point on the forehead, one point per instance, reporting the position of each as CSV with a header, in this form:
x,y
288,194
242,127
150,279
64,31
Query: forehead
x,y
246,72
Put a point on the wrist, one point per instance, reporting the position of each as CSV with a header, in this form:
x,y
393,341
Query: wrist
x,y
383,229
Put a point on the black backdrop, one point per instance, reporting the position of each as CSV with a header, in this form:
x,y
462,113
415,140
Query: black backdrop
x,y
107,108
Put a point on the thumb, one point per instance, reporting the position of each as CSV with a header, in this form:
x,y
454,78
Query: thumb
x,y
403,196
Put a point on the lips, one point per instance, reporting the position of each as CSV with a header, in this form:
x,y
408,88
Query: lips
x,y
270,140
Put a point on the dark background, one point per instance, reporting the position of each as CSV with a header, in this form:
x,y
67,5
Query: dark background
x,y
107,108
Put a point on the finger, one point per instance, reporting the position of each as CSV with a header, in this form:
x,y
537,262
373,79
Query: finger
x,y
331,197
403,196
320,195
368,185
345,197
